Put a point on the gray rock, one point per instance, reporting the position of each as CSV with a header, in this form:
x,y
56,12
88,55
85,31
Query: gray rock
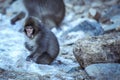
x,y
86,28
11,75
110,71
4,4
91,28
99,49
113,11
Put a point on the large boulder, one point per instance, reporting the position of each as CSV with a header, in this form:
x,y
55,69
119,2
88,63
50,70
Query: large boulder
x,y
99,49
109,71
83,29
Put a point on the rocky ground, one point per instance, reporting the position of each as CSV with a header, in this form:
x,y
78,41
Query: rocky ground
x,y
90,31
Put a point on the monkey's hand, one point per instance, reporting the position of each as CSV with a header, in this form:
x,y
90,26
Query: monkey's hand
x,y
29,58
30,48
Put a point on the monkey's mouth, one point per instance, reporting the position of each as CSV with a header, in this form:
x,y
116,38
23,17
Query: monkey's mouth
x,y
30,35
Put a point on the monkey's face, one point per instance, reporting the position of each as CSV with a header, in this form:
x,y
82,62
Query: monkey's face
x,y
29,31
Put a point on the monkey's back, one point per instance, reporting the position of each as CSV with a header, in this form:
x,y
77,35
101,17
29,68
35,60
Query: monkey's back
x,y
52,50
52,43
46,10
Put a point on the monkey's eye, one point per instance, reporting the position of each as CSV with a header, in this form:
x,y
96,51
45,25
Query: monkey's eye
x,y
29,27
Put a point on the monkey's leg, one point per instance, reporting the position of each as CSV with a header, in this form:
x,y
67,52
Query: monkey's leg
x,y
29,58
33,56
38,52
44,59
50,23
18,17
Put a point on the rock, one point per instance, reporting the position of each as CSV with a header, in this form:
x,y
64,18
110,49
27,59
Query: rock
x,y
113,11
110,71
12,75
5,4
94,14
90,28
86,28
1,70
99,49
113,27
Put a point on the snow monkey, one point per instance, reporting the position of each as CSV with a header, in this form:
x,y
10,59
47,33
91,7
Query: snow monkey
x,y
40,41
50,12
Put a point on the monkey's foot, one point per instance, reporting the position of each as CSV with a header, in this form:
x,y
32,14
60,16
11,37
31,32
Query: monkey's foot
x,y
28,58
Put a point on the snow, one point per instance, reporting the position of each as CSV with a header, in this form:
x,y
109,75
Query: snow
x,y
13,53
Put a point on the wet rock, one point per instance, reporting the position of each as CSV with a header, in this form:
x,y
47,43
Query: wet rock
x,y
91,28
110,71
99,49
113,11
11,75
94,14
1,70
4,4
86,28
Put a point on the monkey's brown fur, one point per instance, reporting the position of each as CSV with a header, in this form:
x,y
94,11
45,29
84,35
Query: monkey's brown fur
x,y
43,46
50,12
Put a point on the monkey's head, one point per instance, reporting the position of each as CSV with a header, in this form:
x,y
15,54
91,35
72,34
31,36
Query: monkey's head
x,y
32,27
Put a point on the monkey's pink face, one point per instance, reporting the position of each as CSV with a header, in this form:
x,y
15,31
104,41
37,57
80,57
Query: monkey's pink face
x,y
29,31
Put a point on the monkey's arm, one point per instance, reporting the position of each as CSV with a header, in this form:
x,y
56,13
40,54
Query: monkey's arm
x,y
34,55
39,51
35,51
28,47
18,17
